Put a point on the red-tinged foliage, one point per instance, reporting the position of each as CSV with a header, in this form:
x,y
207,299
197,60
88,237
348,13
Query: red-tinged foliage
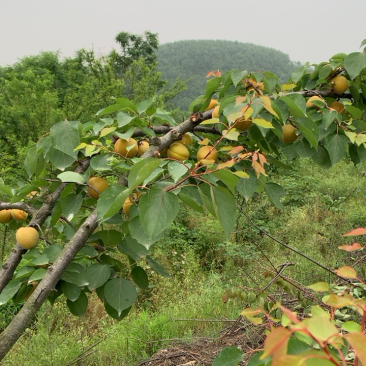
x,y
358,231
350,248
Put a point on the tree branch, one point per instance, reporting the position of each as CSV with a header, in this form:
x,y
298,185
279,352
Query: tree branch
x,y
20,321
38,219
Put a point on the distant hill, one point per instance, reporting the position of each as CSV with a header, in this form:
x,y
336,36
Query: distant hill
x,y
194,59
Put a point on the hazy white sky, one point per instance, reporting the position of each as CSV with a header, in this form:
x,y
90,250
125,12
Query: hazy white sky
x,y
311,30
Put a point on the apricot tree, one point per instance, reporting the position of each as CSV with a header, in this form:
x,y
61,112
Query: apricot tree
x,y
79,253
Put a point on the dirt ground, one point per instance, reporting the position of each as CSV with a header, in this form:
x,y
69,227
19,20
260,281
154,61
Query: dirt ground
x,y
241,334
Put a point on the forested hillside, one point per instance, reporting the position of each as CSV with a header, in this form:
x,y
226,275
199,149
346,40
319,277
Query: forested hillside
x,y
193,59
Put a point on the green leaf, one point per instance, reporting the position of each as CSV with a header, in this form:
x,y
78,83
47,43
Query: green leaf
x,y
295,346
75,273
157,267
319,287
113,312
299,72
356,113
177,170
158,210
329,117
71,205
191,197
9,291
228,178
212,86
24,272
79,306
97,275
139,276
71,291
110,109
142,170
65,137
137,232
351,326
225,209
132,248
100,162
321,157
262,123
247,186
123,119
257,361
229,356
37,275
52,252
336,146
111,200
109,237
275,192
144,105
304,149
60,159
296,104
354,63
237,76
120,294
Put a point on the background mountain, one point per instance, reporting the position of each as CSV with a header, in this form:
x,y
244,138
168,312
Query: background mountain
x,y
194,59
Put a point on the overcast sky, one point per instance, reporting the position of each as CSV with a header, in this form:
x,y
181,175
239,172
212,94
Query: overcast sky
x,y
310,30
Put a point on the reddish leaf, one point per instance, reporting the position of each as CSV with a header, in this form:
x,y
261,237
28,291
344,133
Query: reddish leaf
x,y
350,248
358,231
275,341
236,150
358,343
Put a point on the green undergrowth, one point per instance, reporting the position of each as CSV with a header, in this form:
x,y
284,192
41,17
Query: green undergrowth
x,y
320,206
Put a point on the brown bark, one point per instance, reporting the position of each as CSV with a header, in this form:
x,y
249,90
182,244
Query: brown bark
x,y
20,321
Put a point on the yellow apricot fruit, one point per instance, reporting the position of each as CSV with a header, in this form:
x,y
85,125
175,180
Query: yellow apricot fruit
x,y
338,106
340,84
121,146
215,112
289,134
100,184
5,216
242,123
178,151
18,215
212,104
186,139
143,145
204,150
128,203
309,103
27,237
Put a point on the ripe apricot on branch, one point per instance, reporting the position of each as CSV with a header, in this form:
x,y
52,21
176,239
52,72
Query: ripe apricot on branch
x,y
27,237
128,203
340,84
121,147
242,123
178,151
100,184
309,103
5,216
203,151
186,139
289,134
212,104
215,112
338,106
143,145
18,215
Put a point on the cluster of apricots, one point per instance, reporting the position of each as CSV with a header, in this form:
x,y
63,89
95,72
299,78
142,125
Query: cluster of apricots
x,y
27,237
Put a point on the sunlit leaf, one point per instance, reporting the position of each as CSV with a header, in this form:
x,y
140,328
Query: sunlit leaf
x,y
319,287
347,272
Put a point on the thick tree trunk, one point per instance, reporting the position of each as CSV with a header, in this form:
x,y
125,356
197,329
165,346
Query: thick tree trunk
x,y
20,321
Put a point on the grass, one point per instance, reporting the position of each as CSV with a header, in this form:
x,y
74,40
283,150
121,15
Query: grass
x,y
320,206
